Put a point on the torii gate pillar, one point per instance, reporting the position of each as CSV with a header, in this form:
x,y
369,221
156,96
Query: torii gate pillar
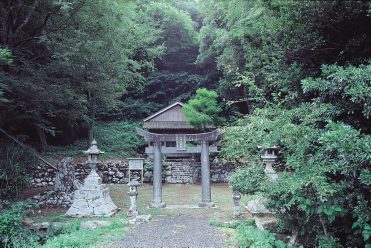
x,y
205,175
157,177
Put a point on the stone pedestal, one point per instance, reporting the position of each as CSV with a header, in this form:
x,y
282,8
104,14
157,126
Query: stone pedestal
x,y
257,207
92,199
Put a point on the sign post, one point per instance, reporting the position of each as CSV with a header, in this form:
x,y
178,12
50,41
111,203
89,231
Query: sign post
x,y
136,164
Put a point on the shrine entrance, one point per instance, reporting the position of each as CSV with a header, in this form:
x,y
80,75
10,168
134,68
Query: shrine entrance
x,y
168,135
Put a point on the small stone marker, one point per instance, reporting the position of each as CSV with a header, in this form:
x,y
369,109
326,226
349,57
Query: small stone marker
x,y
236,200
140,219
133,193
133,210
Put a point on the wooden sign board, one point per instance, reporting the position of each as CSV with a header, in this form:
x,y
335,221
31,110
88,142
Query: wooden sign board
x,y
136,164
181,142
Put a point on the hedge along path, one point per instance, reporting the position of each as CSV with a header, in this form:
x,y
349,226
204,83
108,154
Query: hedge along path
x,y
173,231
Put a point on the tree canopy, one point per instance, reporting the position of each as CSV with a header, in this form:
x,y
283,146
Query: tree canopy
x,y
203,111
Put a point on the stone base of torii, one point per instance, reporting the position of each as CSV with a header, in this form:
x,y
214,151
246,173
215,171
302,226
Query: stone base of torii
x,y
205,139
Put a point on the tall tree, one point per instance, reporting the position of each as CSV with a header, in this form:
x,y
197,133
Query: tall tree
x,y
176,76
111,53
71,58
274,44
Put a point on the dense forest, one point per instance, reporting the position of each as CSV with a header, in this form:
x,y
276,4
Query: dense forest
x,y
284,73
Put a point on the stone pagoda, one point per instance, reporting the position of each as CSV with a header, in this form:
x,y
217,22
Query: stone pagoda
x,y
92,199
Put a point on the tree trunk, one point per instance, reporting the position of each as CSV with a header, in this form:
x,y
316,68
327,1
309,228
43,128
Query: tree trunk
x,y
91,134
247,103
2,118
65,176
42,139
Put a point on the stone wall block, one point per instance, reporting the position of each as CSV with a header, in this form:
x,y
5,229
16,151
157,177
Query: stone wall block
x,y
185,171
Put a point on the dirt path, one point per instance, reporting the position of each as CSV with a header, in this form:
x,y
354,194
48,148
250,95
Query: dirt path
x,y
172,231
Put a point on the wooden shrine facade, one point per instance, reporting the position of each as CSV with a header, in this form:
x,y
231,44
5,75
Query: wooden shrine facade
x,y
171,120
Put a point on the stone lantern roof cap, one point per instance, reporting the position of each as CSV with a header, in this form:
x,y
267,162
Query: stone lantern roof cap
x,y
93,149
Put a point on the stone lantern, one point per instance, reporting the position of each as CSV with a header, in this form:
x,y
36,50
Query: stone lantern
x,y
92,199
269,158
133,193
236,201
93,154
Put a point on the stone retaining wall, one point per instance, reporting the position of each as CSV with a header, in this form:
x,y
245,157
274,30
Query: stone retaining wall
x,y
181,171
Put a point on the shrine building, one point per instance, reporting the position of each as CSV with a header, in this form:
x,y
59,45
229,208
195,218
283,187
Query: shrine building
x,y
170,136
171,120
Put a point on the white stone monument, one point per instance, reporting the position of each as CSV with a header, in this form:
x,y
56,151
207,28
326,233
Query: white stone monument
x,y
92,199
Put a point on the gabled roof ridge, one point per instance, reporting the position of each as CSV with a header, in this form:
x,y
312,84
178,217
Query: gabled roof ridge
x,y
163,110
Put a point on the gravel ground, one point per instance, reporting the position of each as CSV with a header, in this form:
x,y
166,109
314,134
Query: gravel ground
x,y
172,231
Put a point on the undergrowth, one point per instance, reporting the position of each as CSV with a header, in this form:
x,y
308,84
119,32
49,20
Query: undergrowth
x,y
75,237
246,234
250,236
118,139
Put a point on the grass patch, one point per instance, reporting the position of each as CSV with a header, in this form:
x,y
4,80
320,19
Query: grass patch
x,y
231,224
75,236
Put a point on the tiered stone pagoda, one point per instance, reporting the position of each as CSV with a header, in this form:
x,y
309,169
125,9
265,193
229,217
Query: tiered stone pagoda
x,y
92,199
168,134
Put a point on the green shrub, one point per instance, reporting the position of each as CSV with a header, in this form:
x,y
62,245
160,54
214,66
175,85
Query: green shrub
x,y
15,164
233,224
12,231
117,139
328,242
324,188
248,180
75,236
250,236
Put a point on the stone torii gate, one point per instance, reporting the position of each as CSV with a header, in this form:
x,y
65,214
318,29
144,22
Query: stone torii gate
x,y
180,139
